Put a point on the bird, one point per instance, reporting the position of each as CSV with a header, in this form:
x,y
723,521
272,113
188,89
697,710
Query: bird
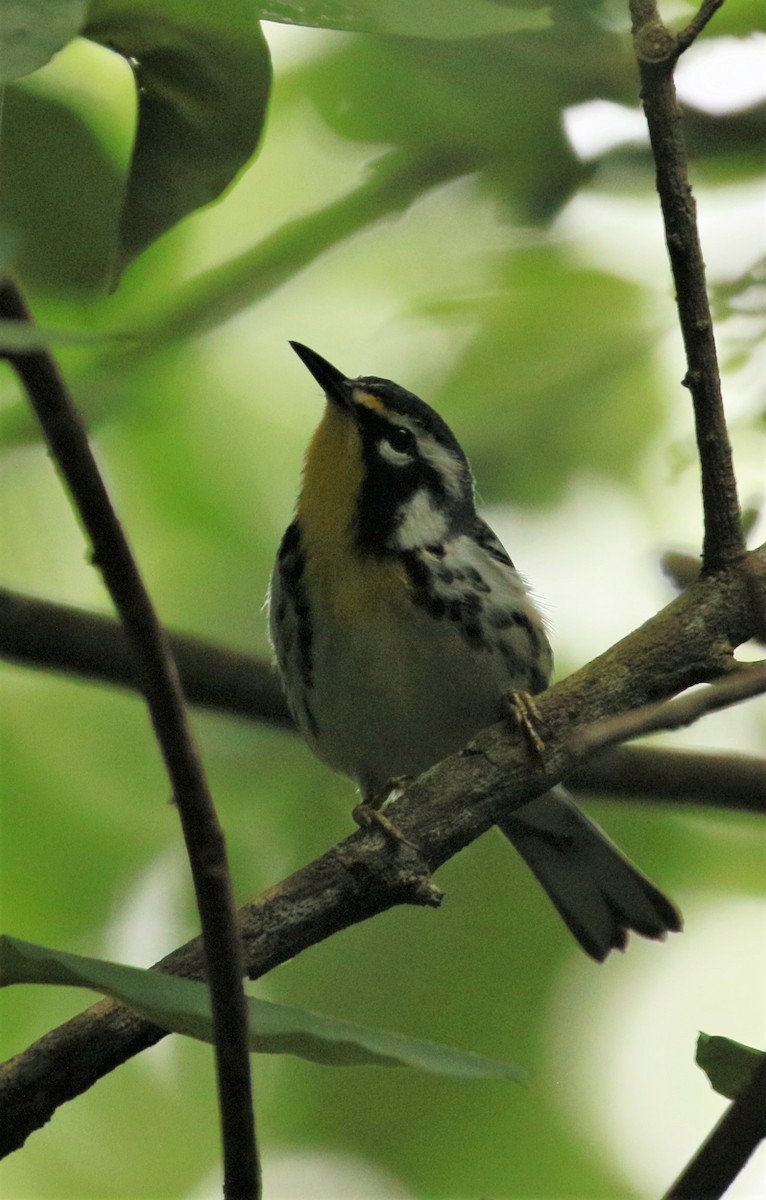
x,y
399,625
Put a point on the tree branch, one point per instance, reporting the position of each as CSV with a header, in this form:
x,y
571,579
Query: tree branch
x,y
71,452
40,633
725,1152
736,782
58,637
657,51
745,682
707,11
690,641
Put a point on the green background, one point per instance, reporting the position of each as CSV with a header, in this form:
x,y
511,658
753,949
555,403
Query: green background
x,y
510,296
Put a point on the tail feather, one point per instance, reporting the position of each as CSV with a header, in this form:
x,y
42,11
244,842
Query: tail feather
x,y
597,891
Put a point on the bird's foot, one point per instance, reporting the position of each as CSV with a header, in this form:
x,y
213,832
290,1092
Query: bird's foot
x,y
524,715
369,812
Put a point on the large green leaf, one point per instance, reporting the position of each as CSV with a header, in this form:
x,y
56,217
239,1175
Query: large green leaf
x,y
448,19
203,74
62,180
183,1006
727,1064
31,31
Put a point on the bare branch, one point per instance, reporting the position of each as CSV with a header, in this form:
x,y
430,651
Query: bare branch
x,y
688,642
70,449
657,50
60,637
736,782
707,11
745,682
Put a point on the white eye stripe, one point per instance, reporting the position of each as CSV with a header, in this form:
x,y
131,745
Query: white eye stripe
x,y
448,467
397,458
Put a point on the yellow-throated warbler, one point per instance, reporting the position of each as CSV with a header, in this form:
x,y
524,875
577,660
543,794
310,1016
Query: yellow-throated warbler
x,y
399,622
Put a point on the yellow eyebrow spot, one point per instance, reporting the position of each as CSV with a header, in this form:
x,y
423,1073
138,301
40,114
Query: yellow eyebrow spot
x,y
368,401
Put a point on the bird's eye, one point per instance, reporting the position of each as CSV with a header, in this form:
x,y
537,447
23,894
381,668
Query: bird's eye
x,y
400,439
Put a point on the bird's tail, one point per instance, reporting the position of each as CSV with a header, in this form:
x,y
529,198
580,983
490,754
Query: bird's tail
x,y
598,892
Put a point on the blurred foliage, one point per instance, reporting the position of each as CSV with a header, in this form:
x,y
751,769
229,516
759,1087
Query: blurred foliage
x,y
557,365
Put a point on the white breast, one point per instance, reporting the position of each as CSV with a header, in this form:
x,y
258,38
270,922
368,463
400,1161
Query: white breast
x,y
394,687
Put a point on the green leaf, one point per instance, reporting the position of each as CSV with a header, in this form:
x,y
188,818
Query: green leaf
x,y
440,19
727,1064
203,74
183,1006
63,175
33,31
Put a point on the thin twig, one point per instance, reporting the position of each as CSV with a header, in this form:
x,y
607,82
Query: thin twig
x,y
442,812
70,449
727,1149
59,637
657,50
742,684
707,11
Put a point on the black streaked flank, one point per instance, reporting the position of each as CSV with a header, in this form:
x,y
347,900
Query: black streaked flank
x,y
487,540
292,563
466,610
478,580
502,618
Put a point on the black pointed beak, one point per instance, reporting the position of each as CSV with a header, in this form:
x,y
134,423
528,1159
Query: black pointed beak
x,y
329,378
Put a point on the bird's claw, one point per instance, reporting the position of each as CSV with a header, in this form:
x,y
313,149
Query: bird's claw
x,y
524,715
369,812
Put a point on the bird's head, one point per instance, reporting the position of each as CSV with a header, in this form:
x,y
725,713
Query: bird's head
x,y
383,468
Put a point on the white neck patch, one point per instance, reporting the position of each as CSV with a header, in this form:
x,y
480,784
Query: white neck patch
x,y
422,523
449,469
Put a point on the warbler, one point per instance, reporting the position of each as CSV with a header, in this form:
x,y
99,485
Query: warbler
x,y
399,623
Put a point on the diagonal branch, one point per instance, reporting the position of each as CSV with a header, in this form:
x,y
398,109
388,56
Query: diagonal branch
x,y
657,51
71,452
727,1149
707,11
743,683
690,641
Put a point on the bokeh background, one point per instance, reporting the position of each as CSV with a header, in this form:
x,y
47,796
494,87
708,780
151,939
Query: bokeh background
x,y
527,296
